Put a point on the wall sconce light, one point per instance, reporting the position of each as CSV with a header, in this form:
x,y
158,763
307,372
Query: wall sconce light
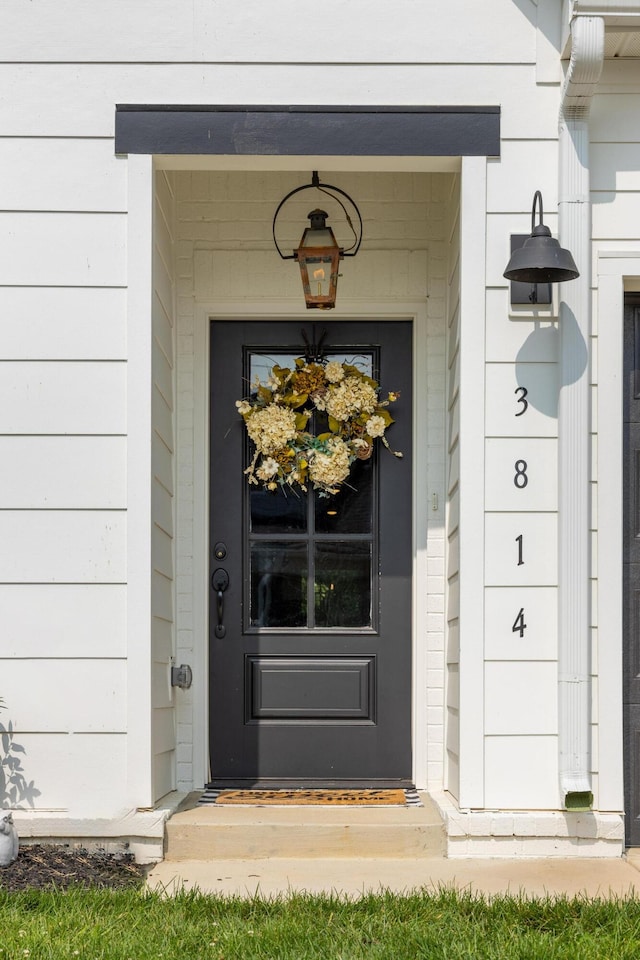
x,y
318,254
537,261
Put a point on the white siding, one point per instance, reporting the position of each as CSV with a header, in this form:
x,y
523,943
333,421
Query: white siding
x,y
226,31
62,444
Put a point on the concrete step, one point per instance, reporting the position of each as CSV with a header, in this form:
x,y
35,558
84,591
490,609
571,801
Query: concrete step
x,y
212,832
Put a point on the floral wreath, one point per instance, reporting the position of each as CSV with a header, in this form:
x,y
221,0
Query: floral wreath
x,y
286,454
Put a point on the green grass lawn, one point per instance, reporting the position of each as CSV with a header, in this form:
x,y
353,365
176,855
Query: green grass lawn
x,y
121,924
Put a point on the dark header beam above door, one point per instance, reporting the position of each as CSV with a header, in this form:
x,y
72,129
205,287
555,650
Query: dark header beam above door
x,y
308,130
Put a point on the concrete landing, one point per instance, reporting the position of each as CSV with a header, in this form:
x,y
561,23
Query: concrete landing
x,y
214,832
353,877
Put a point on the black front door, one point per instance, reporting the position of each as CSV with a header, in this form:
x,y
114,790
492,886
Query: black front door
x,y
310,602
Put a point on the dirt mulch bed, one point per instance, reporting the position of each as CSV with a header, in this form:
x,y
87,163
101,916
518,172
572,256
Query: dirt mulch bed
x,y
44,866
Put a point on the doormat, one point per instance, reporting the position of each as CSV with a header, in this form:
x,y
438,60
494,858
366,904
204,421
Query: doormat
x,y
322,798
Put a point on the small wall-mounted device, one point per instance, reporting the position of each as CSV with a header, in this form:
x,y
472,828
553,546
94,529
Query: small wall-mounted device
x,y
181,676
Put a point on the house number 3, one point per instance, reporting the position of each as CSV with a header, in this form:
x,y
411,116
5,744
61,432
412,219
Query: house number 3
x,y
522,399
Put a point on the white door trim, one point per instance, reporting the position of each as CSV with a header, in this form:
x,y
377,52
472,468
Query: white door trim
x,y
618,272
423,512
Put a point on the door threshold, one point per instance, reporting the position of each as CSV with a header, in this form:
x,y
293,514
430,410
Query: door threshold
x,y
267,784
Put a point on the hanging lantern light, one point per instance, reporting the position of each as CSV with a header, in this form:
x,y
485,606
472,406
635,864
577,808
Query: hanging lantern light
x,y
318,253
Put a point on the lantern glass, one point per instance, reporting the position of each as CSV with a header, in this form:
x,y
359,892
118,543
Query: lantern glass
x,y
318,256
319,273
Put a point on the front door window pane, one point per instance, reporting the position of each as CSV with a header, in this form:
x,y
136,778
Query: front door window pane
x,y
278,584
350,510
276,511
343,584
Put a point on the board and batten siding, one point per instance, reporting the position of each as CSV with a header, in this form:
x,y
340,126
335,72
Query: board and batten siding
x,y
163,727
63,484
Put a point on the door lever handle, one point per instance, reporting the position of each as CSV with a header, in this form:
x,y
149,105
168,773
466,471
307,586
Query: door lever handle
x,y
220,582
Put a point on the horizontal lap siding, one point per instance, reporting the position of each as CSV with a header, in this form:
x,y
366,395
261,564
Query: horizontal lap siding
x,y
63,486
162,537
70,101
229,31
520,728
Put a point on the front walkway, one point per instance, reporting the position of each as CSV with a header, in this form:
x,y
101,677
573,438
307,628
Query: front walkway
x,y
267,877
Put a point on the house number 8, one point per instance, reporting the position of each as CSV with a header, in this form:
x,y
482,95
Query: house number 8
x,y
521,479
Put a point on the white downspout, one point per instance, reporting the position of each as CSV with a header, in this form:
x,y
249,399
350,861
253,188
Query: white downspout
x,y
574,459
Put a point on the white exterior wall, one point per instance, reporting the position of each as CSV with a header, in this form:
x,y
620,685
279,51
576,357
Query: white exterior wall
x,y
63,498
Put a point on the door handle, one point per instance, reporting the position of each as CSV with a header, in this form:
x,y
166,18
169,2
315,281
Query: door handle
x,y
220,582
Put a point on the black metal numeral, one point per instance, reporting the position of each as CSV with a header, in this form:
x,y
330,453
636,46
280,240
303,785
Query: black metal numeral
x,y
521,479
519,626
520,558
522,399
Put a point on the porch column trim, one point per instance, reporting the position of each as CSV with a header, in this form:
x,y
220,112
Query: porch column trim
x,y
473,206
139,471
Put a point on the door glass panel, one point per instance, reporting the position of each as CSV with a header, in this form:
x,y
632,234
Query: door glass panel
x,y
343,584
276,511
278,584
350,510
261,364
286,574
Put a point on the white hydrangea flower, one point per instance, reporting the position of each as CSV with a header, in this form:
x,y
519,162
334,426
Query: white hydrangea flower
x,y
334,372
267,469
271,428
375,426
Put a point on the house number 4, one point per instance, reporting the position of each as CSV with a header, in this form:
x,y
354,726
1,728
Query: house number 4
x,y
519,626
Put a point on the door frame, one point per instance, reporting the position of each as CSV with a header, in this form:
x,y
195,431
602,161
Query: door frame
x,y
205,312
618,273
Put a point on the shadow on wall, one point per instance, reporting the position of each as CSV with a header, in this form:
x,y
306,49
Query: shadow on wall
x,y
543,392
14,789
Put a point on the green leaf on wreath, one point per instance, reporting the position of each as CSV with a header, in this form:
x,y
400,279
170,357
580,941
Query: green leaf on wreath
x,y
334,425
296,400
301,419
386,416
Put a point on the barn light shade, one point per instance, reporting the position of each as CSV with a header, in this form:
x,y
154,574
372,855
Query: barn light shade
x,y
540,259
318,253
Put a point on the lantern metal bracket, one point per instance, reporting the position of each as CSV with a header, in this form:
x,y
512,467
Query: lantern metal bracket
x,y
324,188
314,352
